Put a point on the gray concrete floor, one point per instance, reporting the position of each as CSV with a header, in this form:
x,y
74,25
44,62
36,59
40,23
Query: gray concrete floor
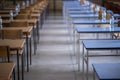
x,y
54,59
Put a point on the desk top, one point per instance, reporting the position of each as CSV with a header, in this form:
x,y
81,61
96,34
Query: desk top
x,y
71,2
87,14
35,15
92,22
5,11
13,44
37,11
6,70
83,15
79,8
72,5
30,21
6,15
107,71
101,44
24,29
98,30
81,12
12,8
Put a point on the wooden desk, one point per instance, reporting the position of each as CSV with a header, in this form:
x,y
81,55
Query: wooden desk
x,y
6,12
30,22
11,8
36,11
26,31
35,15
6,16
15,45
6,70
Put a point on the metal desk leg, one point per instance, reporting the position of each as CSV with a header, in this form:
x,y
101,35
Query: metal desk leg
x,y
27,44
22,64
78,52
18,64
87,64
38,30
93,74
34,39
83,62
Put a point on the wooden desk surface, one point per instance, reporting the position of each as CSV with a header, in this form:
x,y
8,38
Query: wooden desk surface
x,y
6,70
11,8
6,21
13,44
6,15
24,29
36,11
35,15
5,11
30,21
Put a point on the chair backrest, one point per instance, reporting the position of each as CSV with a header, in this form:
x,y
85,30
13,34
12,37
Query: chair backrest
x,y
25,11
22,16
12,34
4,52
18,23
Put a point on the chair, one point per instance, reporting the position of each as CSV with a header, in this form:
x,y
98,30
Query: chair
x,y
11,34
25,11
18,23
14,34
5,53
6,68
22,16
27,36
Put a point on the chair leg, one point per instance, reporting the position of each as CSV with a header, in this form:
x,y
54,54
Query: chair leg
x,y
22,64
